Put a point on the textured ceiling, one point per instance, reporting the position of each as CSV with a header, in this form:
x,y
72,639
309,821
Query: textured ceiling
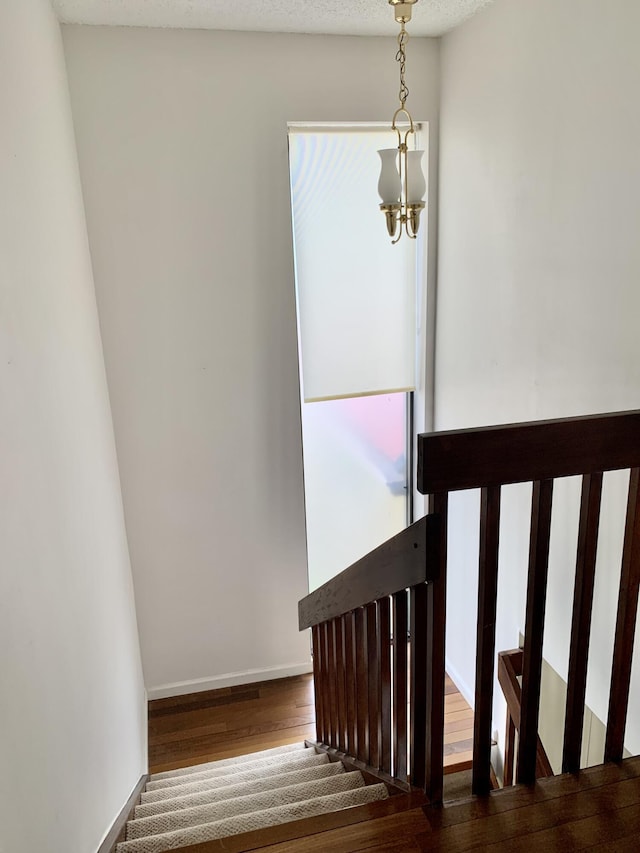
x,y
338,17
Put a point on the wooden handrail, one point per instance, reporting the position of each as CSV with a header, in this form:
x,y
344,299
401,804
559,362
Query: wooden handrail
x,y
516,453
399,563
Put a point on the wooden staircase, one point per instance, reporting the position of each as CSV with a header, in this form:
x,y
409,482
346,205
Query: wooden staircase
x,y
208,726
597,809
378,634
236,795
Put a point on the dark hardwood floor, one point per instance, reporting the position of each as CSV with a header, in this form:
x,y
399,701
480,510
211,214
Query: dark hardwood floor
x,y
597,809
201,727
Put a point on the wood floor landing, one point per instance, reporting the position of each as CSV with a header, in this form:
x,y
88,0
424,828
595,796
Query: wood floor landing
x,y
216,724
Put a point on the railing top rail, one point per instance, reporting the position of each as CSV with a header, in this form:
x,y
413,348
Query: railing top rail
x,y
397,564
515,453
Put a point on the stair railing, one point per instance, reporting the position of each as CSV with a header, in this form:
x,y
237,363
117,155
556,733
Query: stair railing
x,y
489,458
360,694
370,642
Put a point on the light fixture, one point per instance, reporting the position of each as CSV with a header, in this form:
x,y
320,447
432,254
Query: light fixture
x,y
402,185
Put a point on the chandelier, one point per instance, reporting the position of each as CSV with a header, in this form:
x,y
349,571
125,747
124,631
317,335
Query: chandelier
x,y
402,185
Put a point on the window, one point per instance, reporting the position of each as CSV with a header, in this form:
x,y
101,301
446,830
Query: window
x,y
356,299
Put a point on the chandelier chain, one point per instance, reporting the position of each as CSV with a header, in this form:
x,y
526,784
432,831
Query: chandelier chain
x,y
401,58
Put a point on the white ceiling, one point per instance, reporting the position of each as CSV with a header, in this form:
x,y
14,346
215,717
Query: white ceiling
x,y
336,17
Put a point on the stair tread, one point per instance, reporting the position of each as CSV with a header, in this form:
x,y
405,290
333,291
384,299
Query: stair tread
x,y
209,783
229,762
197,774
218,794
251,802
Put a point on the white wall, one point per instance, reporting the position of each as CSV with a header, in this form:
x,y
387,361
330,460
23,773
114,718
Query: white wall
x,y
539,262
72,705
183,155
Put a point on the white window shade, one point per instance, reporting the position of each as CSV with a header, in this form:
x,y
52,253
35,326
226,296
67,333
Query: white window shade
x,y
356,292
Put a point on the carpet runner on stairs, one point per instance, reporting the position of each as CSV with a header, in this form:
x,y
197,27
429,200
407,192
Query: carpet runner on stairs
x,y
222,798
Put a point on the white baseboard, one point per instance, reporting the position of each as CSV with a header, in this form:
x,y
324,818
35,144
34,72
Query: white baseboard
x,y
467,692
229,679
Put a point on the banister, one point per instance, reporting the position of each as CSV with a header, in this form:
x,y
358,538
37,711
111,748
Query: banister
x,y
401,562
515,453
365,681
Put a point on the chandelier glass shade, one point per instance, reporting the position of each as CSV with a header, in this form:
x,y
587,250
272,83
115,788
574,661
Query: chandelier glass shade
x,y
402,185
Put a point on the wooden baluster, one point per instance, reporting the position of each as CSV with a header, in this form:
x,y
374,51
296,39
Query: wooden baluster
x,y
324,668
328,678
350,678
317,681
374,685
342,694
362,685
400,697
333,686
435,649
581,622
625,625
534,629
418,684
486,637
384,657
509,750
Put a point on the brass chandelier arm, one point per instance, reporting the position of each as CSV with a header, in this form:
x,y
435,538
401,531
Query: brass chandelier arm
x,y
395,127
